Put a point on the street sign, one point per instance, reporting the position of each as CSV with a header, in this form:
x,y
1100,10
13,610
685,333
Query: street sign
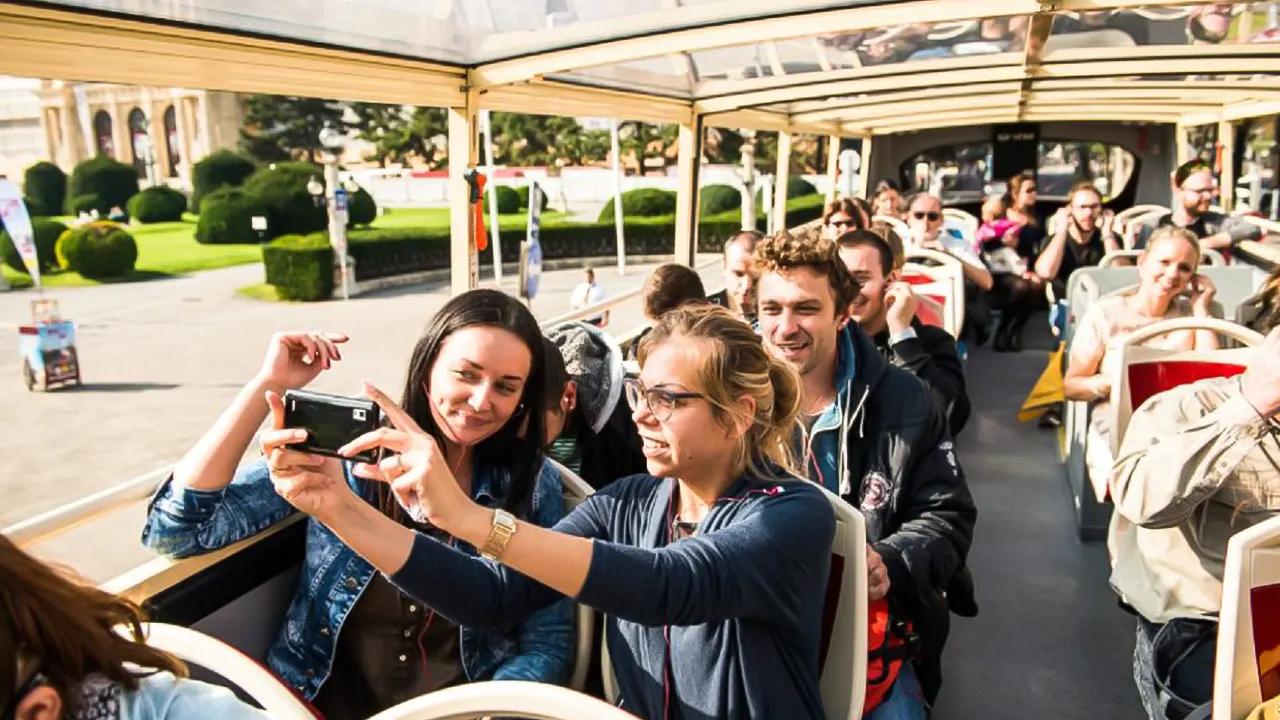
x,y
340,200
531,249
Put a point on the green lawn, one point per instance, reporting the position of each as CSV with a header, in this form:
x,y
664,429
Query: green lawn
x,y
439,218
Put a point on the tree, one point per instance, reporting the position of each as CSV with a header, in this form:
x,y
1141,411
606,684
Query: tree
x,y
278,128
646,140
402,132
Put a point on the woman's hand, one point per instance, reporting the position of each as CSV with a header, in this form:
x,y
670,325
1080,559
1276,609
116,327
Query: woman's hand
x,y
313,484
294,359
1202,293
417,472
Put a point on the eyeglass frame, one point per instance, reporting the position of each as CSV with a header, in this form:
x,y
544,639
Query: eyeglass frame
x,y
644,392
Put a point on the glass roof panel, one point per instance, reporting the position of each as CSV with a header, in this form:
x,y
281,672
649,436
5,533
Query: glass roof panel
x,y
1208,24
896,45
455,31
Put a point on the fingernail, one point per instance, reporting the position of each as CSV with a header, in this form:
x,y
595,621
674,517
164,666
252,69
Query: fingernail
x,y
299,434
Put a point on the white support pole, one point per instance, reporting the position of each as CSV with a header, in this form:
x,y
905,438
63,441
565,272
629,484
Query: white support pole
x,y
337,220
463,154
618,220
688,164
833,166
1227,185
494,234
864,169
781,179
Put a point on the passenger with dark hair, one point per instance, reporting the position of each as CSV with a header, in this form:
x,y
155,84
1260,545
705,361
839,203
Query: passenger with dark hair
x,y
1016,289
69,650
842,215
1194,189
353,643
887,201
885,308
872,433
712,568
594,434
739,280
668,287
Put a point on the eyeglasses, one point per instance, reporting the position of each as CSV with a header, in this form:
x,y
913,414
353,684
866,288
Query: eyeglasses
x,y
932,216
661,403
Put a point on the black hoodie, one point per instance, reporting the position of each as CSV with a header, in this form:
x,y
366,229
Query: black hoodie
x,y
933,357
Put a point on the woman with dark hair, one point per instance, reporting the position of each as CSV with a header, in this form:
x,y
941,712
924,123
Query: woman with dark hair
x,y
352,642
69,650
712,567
1017,290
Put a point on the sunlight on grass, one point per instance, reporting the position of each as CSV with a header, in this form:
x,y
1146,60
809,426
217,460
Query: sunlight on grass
x,y
259,291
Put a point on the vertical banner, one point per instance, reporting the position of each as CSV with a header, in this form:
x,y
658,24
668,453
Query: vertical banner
x,y
13,212
530,249
1015,149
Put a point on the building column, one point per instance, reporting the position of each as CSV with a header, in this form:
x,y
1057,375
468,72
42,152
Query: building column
x,y
688,180
120,130
49,123
71,155
464,155
184,141
189,121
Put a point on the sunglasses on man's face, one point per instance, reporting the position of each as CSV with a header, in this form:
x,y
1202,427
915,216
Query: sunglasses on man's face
x,y
931,216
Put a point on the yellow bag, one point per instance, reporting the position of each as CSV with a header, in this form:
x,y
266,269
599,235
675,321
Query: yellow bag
x,y
1047,392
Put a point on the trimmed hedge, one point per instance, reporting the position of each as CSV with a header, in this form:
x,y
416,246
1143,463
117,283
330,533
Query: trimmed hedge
x,y
45,187
221,169
98,250
291,209
157,204
384,253
227,218
523,193
361,208
87,203
508,199
46,233
113,182
796,188
300,267
36,207
716,199
642,202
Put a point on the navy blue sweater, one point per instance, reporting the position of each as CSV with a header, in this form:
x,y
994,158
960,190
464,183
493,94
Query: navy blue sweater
x,y
736,609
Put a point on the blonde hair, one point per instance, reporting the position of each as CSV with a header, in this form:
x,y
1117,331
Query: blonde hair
x,y
1173,232
736,364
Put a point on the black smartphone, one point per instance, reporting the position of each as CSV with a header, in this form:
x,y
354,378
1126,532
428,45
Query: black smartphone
x,y
331,421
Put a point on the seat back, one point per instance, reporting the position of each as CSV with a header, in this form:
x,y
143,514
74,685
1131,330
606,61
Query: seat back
x,y
577,490
963,221
196,648
843,652
1141,372
898,226
1126,216
939,277
1247,667
510,698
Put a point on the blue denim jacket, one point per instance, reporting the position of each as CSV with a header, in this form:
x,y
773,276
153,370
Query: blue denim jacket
x,y
182,522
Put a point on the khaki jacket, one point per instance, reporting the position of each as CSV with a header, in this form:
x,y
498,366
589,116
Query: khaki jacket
x,y
1197,465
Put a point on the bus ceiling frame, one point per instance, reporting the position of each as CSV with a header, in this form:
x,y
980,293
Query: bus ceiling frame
x,y
522,71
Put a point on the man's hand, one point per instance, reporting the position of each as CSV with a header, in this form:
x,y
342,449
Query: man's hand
x,y
900,307
877,576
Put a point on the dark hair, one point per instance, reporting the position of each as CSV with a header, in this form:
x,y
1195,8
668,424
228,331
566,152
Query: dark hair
x,y
64,627
884,186
786,251
670,286
846,206
520,453
890,237
747,237
1187,169
557,376
871,239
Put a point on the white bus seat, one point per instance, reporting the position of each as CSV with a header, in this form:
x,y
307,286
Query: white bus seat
x,y
531,700
1247,666
964,220
957,226
1130,231
939,267
1126,216
196,648
843,681
577,490
898,226
1140,372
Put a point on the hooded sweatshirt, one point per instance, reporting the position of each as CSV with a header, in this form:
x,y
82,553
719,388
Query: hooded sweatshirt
x,y
601,442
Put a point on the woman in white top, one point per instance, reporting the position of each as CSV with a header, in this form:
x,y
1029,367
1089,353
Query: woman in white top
x,y
1165,270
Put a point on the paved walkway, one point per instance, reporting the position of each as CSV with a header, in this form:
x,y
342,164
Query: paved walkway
x,y
162,359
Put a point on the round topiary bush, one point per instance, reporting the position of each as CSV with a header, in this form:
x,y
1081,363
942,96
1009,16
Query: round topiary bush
x,y
642,202
46,184
36,207
716,199
796,187
113,182
227,218
98,250
87,203
221,169
292,210
361,208
157,204
523,193
46,233
508,199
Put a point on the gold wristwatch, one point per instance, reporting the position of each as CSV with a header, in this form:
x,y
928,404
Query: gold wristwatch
x,y
504,526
